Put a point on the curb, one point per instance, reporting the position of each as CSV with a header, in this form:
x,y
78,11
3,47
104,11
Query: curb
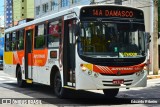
x,y
153,76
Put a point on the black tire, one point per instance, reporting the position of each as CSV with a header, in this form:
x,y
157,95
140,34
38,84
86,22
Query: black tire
x,y
110,93
59,91
20,82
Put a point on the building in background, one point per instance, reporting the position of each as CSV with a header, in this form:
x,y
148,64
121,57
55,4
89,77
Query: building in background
x,y
22,10
8,13
159,29
46,7
1,31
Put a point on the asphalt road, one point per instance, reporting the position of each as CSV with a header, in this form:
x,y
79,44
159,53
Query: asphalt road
x,y
44,94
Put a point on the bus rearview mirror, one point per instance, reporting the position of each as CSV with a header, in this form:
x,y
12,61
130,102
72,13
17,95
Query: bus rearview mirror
x,y
77,29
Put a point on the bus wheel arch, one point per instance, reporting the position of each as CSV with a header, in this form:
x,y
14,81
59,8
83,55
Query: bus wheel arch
x,y
17,67
20,82
54,70
56,83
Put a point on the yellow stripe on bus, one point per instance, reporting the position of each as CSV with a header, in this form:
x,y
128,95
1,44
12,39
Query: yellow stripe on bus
x,y
89,66
8,57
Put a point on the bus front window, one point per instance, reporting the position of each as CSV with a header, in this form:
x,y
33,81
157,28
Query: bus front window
x,y
105,40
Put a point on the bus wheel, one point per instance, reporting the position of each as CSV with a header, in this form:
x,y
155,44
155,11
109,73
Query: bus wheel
x,y
110,93
20,81
58,89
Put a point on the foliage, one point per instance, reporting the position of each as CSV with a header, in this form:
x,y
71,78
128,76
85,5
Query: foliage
x,y
40,41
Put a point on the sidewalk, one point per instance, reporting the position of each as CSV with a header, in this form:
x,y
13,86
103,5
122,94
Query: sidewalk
x,y
151,76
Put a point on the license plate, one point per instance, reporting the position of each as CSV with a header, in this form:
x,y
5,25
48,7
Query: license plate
x,y
118,81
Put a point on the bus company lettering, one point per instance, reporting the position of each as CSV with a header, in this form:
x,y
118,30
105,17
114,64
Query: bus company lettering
x,y
127,68
122,68
113,13
39,56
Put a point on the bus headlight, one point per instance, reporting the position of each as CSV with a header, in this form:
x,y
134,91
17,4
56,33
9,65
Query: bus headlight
x,y
83,68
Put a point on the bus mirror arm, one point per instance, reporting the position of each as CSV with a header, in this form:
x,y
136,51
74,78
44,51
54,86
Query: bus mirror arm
x,y
77,30
78,20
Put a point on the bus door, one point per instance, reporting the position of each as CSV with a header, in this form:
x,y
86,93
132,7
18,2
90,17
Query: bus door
x,y
28,51
69,53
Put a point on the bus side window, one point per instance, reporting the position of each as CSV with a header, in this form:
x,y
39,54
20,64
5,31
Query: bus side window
x,y
13,43
54,32
7,42
20,40
40,36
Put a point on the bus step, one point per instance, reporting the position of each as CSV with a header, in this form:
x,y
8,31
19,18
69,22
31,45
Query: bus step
x,y
29,81
70,84
72,78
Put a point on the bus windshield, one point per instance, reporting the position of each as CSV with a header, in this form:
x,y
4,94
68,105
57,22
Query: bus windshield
x,y
111,39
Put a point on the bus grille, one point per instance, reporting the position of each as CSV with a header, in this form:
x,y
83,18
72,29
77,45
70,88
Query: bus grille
x,y
109,83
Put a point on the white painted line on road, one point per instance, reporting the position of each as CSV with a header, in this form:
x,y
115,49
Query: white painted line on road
x,y
2,79
10,81
8,77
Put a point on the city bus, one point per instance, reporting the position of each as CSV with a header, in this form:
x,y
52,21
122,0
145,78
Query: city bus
x,y
94,47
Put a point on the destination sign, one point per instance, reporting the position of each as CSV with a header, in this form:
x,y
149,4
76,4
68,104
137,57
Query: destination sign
x,y
111,11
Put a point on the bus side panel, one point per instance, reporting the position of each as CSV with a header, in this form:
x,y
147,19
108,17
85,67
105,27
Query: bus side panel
x,y
40,57
8,62
83,81
41,74
17,57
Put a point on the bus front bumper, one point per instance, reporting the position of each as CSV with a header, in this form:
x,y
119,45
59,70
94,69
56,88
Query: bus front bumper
x,y
105,82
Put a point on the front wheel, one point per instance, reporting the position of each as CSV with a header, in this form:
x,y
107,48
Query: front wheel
x,y
20,81
58,89
110,93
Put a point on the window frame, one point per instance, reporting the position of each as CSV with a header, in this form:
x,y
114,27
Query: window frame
x,y
14,42
45,7
18,39
38,10
7,40
36,35
60,33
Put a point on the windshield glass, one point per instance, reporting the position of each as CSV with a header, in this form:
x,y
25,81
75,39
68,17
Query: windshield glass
x,y
108,39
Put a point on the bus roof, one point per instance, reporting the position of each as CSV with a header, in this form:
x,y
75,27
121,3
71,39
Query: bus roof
x,y
45,18
58,14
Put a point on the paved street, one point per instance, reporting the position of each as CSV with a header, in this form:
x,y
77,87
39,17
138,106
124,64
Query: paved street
x,y
9,89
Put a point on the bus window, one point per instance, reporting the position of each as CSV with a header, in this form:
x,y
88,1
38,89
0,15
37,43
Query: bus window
x,y
14,41
20,42
40,36
54,33
7,42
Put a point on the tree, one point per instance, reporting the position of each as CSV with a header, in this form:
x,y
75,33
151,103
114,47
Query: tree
x,y
158,16
155,39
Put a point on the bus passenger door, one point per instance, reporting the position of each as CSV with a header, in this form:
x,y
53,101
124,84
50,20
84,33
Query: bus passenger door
x,y
28,52
69,53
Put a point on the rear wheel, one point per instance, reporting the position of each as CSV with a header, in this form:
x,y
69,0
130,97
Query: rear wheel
x,y
57,86
111,92
20,81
